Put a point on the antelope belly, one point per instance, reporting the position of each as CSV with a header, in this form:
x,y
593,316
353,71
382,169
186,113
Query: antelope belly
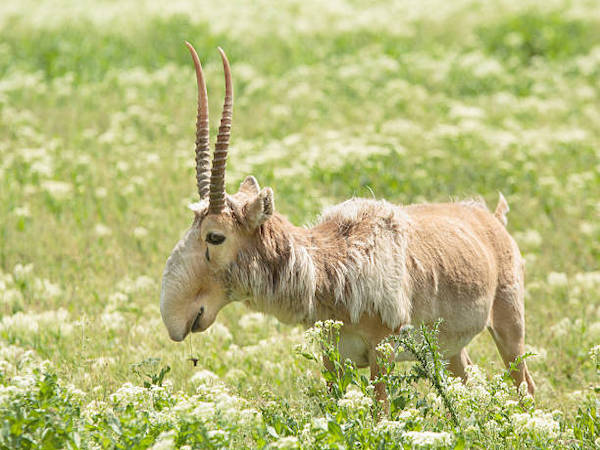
x,y
352,346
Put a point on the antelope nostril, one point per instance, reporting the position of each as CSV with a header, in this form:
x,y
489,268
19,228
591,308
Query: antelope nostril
x,y
196,324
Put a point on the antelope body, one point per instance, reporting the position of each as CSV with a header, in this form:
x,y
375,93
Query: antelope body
x,y
373,265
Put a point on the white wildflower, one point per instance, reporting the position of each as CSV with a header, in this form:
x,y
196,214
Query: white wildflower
x,y
557,279
319,423
228,404
138,181
510,404
248,416
220,332
17,356
165,441
385,349
113,320
477,384
128,393
31,323
539,423
588,281
116,300
394,427
152,158
46,289
593,331
57,189
203,377
102,230
355,400
11,297
122,166
492,427
8,392
101,192
306,436
529,238
435,401
218,433
252,320
235,376
561,328
321,330
144,283
42,167
140,284
203,410
513,39
456,388
286,442
411,414
464,111
474,375
24,382
140,232
587,228
6,279
22,272
429,438
22,211
75,392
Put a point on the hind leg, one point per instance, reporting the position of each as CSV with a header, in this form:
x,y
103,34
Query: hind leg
x,y
458,363
508,330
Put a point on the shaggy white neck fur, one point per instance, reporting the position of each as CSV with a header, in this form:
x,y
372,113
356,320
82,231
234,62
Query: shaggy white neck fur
x,y
303,275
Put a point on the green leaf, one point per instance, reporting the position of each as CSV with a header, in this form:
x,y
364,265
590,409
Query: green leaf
x,y
335,430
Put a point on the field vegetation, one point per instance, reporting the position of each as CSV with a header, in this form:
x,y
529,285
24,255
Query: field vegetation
x,y
407,101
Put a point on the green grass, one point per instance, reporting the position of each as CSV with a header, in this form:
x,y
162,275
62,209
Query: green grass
x,y
406,106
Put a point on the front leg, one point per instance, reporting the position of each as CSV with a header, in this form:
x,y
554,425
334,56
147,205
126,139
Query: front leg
x,y
380,392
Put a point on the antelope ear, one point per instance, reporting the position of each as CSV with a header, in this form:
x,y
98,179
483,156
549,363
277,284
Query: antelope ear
x,y
198,207
260,209
250,186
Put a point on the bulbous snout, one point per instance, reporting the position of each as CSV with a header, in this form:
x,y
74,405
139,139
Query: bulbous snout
x,y
180,304
182,316
177,335
178,317
191,295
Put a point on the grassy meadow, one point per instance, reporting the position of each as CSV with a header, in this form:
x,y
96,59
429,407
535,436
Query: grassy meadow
x,y
407,101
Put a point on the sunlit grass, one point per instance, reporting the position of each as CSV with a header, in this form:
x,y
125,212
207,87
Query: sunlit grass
x,y
96,167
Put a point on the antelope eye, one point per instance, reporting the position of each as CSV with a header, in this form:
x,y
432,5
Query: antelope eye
x,y
215,238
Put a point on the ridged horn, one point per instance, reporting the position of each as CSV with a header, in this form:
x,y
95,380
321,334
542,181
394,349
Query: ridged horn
x,y
217,176
202,130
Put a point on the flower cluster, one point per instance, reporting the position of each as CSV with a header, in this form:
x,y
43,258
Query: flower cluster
x,y
355,400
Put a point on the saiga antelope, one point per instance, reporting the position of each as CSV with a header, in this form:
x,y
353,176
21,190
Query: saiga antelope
x,y
373,265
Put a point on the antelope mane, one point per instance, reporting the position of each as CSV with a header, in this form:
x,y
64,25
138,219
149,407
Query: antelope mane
x,y
352,262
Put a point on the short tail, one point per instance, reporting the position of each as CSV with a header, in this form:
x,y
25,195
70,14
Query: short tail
x,y
502,209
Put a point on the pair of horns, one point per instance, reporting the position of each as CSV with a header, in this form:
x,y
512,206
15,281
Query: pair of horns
x,y
211,182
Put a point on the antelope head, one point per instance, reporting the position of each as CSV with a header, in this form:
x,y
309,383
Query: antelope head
x,y
194,283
